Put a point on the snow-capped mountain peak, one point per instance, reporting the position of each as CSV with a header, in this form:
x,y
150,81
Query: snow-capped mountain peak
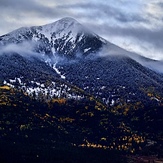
x,y
61,28
63,24
65,37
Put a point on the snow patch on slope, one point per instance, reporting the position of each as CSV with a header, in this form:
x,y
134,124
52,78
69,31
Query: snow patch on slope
x,y
37,89
58,72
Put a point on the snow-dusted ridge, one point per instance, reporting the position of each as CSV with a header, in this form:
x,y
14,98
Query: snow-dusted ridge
x,y
62,27
65,37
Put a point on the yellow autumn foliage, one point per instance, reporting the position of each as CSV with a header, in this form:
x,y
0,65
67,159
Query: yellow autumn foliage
x,y
5,87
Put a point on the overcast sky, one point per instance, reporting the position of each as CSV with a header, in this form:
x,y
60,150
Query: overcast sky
x,y
136,25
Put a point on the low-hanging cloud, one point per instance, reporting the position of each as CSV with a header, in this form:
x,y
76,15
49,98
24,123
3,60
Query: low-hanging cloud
x,y
113,52
22,48
27,49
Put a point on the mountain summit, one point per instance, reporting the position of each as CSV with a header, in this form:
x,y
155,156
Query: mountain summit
x,y
65,37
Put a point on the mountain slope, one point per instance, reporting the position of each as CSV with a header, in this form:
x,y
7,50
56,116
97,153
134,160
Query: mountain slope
x,y
113,79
